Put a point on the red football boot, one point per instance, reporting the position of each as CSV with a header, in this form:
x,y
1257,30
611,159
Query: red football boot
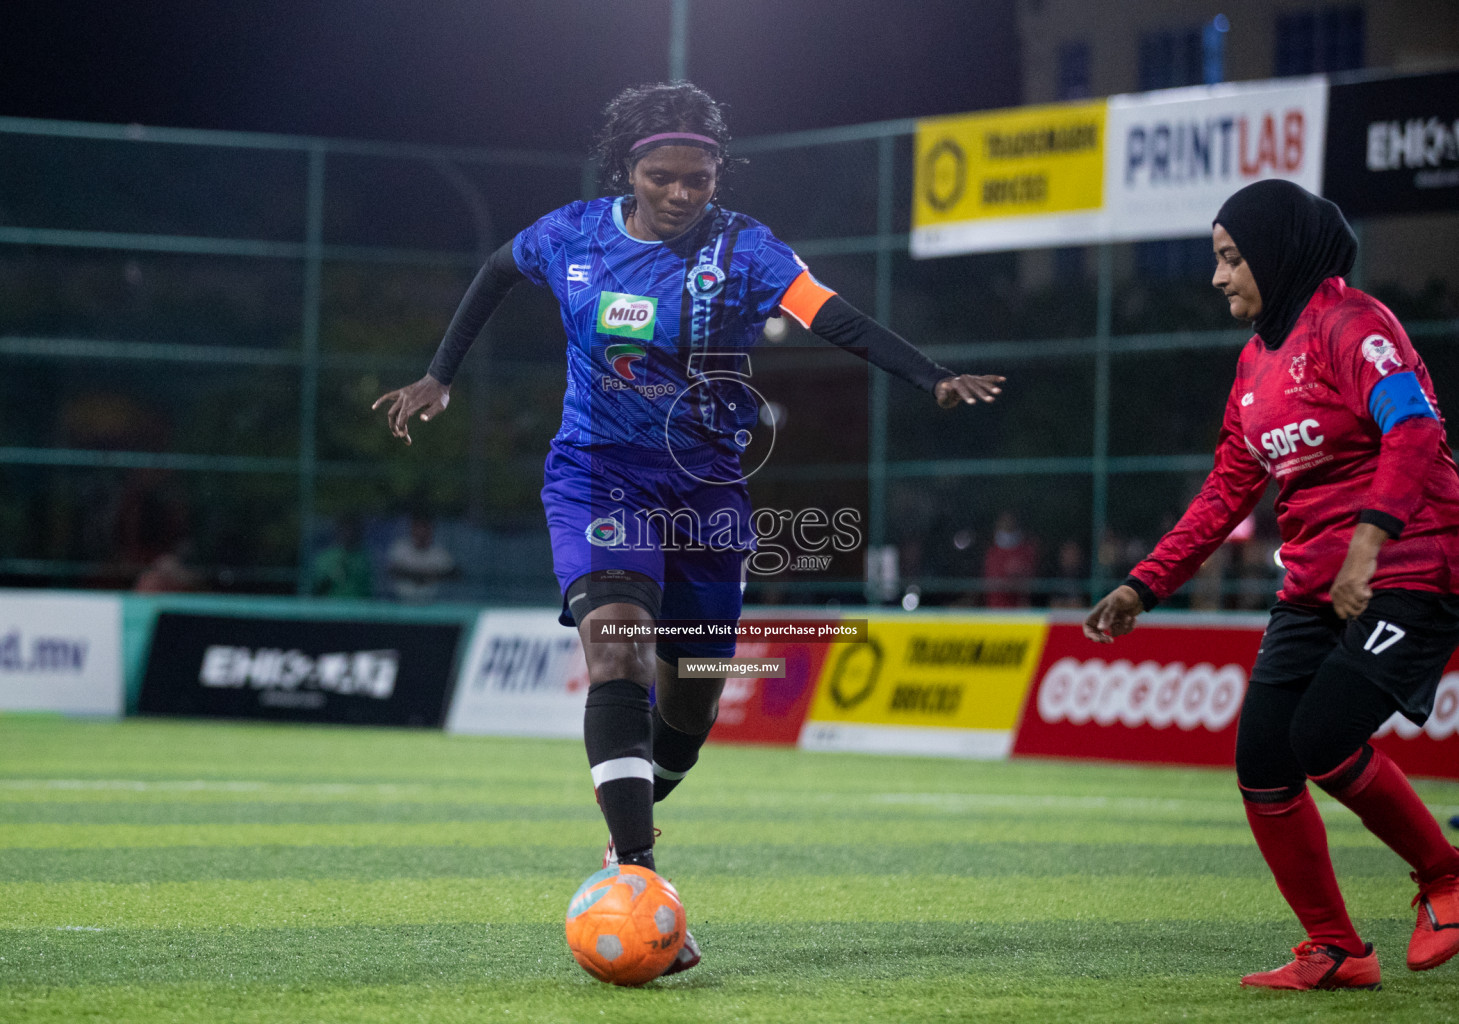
x,y
1436,935
1318,966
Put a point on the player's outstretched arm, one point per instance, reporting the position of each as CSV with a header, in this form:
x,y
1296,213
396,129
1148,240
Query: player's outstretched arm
x,y
1114,615
967,387
430,395
845,326
427,396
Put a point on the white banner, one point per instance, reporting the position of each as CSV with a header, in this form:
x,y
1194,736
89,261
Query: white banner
x,y
60,652
1172,157
523,676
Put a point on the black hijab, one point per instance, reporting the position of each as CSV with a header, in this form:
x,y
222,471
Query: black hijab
x,y
1293,241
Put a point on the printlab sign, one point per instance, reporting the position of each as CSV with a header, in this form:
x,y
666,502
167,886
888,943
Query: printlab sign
x,y
366,673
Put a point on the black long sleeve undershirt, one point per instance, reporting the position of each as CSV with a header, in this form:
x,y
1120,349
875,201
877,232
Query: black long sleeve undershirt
x,y
837,321
843,325
496,277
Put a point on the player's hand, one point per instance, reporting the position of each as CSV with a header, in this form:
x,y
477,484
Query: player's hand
x,y
1350,591
1114,615
427,396
967,387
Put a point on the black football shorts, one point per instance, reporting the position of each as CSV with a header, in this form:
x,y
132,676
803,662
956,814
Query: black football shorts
x,y
1401,642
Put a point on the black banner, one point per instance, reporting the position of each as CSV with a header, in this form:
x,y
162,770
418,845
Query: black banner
x,y
358,673
1393,145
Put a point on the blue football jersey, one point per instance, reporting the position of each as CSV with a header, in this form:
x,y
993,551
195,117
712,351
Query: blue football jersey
x,y
658,333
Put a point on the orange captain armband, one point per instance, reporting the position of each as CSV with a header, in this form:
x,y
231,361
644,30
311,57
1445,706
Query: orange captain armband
x,y
804,299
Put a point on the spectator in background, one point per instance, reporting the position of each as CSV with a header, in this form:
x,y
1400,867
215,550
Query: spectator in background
x,y
1010,564
169,573
343,568
1070,571
417,564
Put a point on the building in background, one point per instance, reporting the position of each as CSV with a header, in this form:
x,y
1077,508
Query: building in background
x,y
1072,49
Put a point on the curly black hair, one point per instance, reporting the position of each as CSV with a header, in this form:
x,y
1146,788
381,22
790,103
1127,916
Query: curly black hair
x,y
643,110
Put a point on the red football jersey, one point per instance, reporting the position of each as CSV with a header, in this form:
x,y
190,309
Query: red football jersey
x,y
1300,415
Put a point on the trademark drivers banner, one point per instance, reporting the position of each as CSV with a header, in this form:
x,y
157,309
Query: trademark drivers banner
x,y
925,685
1007,179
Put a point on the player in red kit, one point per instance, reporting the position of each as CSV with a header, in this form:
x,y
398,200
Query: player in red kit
x,y
1333,403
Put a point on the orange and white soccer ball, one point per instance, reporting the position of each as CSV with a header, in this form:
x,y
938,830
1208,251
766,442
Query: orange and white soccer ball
x,y
625,925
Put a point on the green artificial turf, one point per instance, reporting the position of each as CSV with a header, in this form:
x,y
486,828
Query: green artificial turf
x,y
157,871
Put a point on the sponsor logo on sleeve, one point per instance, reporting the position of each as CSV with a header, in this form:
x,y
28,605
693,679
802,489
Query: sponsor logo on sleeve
x,y
1379,351
1247,399
627,316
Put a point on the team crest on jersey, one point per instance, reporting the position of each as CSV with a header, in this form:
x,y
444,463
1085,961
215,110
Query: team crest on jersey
x,y
1379,351
627,316
1298,367
705,281
604,532
622,358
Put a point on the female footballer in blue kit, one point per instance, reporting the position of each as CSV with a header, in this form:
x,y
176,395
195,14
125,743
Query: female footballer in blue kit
x,y
657,287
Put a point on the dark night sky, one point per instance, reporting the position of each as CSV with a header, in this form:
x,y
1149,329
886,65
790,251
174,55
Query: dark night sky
x,y
531,73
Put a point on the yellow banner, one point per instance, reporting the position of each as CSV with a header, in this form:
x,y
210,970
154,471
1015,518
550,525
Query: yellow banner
x,y
950,673
1009,163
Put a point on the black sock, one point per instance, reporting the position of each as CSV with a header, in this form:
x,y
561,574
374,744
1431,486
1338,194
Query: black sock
x,y
618,736
674,753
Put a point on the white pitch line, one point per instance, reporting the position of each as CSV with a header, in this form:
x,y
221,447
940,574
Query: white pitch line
x,y
971,801
208,786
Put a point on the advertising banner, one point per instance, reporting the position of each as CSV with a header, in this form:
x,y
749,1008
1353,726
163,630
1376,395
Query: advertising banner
x,y
1166,693
524,675
768,709
1008,179
937,686
302,670
1393,145
1432,749
1174,156
60,652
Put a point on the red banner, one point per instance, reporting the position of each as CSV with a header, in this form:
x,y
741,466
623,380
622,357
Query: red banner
x,y
1164,693
1172,694
770,710
1434,748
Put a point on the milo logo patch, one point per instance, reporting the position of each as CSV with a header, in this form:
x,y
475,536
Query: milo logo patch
x,y
628,316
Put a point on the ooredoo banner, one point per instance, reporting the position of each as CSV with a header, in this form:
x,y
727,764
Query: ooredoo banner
x,y
1172,157
301,670
1166,693
1433,748
524,675
941,686
60,652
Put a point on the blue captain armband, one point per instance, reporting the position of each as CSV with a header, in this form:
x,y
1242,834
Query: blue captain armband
x,y
1398,398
